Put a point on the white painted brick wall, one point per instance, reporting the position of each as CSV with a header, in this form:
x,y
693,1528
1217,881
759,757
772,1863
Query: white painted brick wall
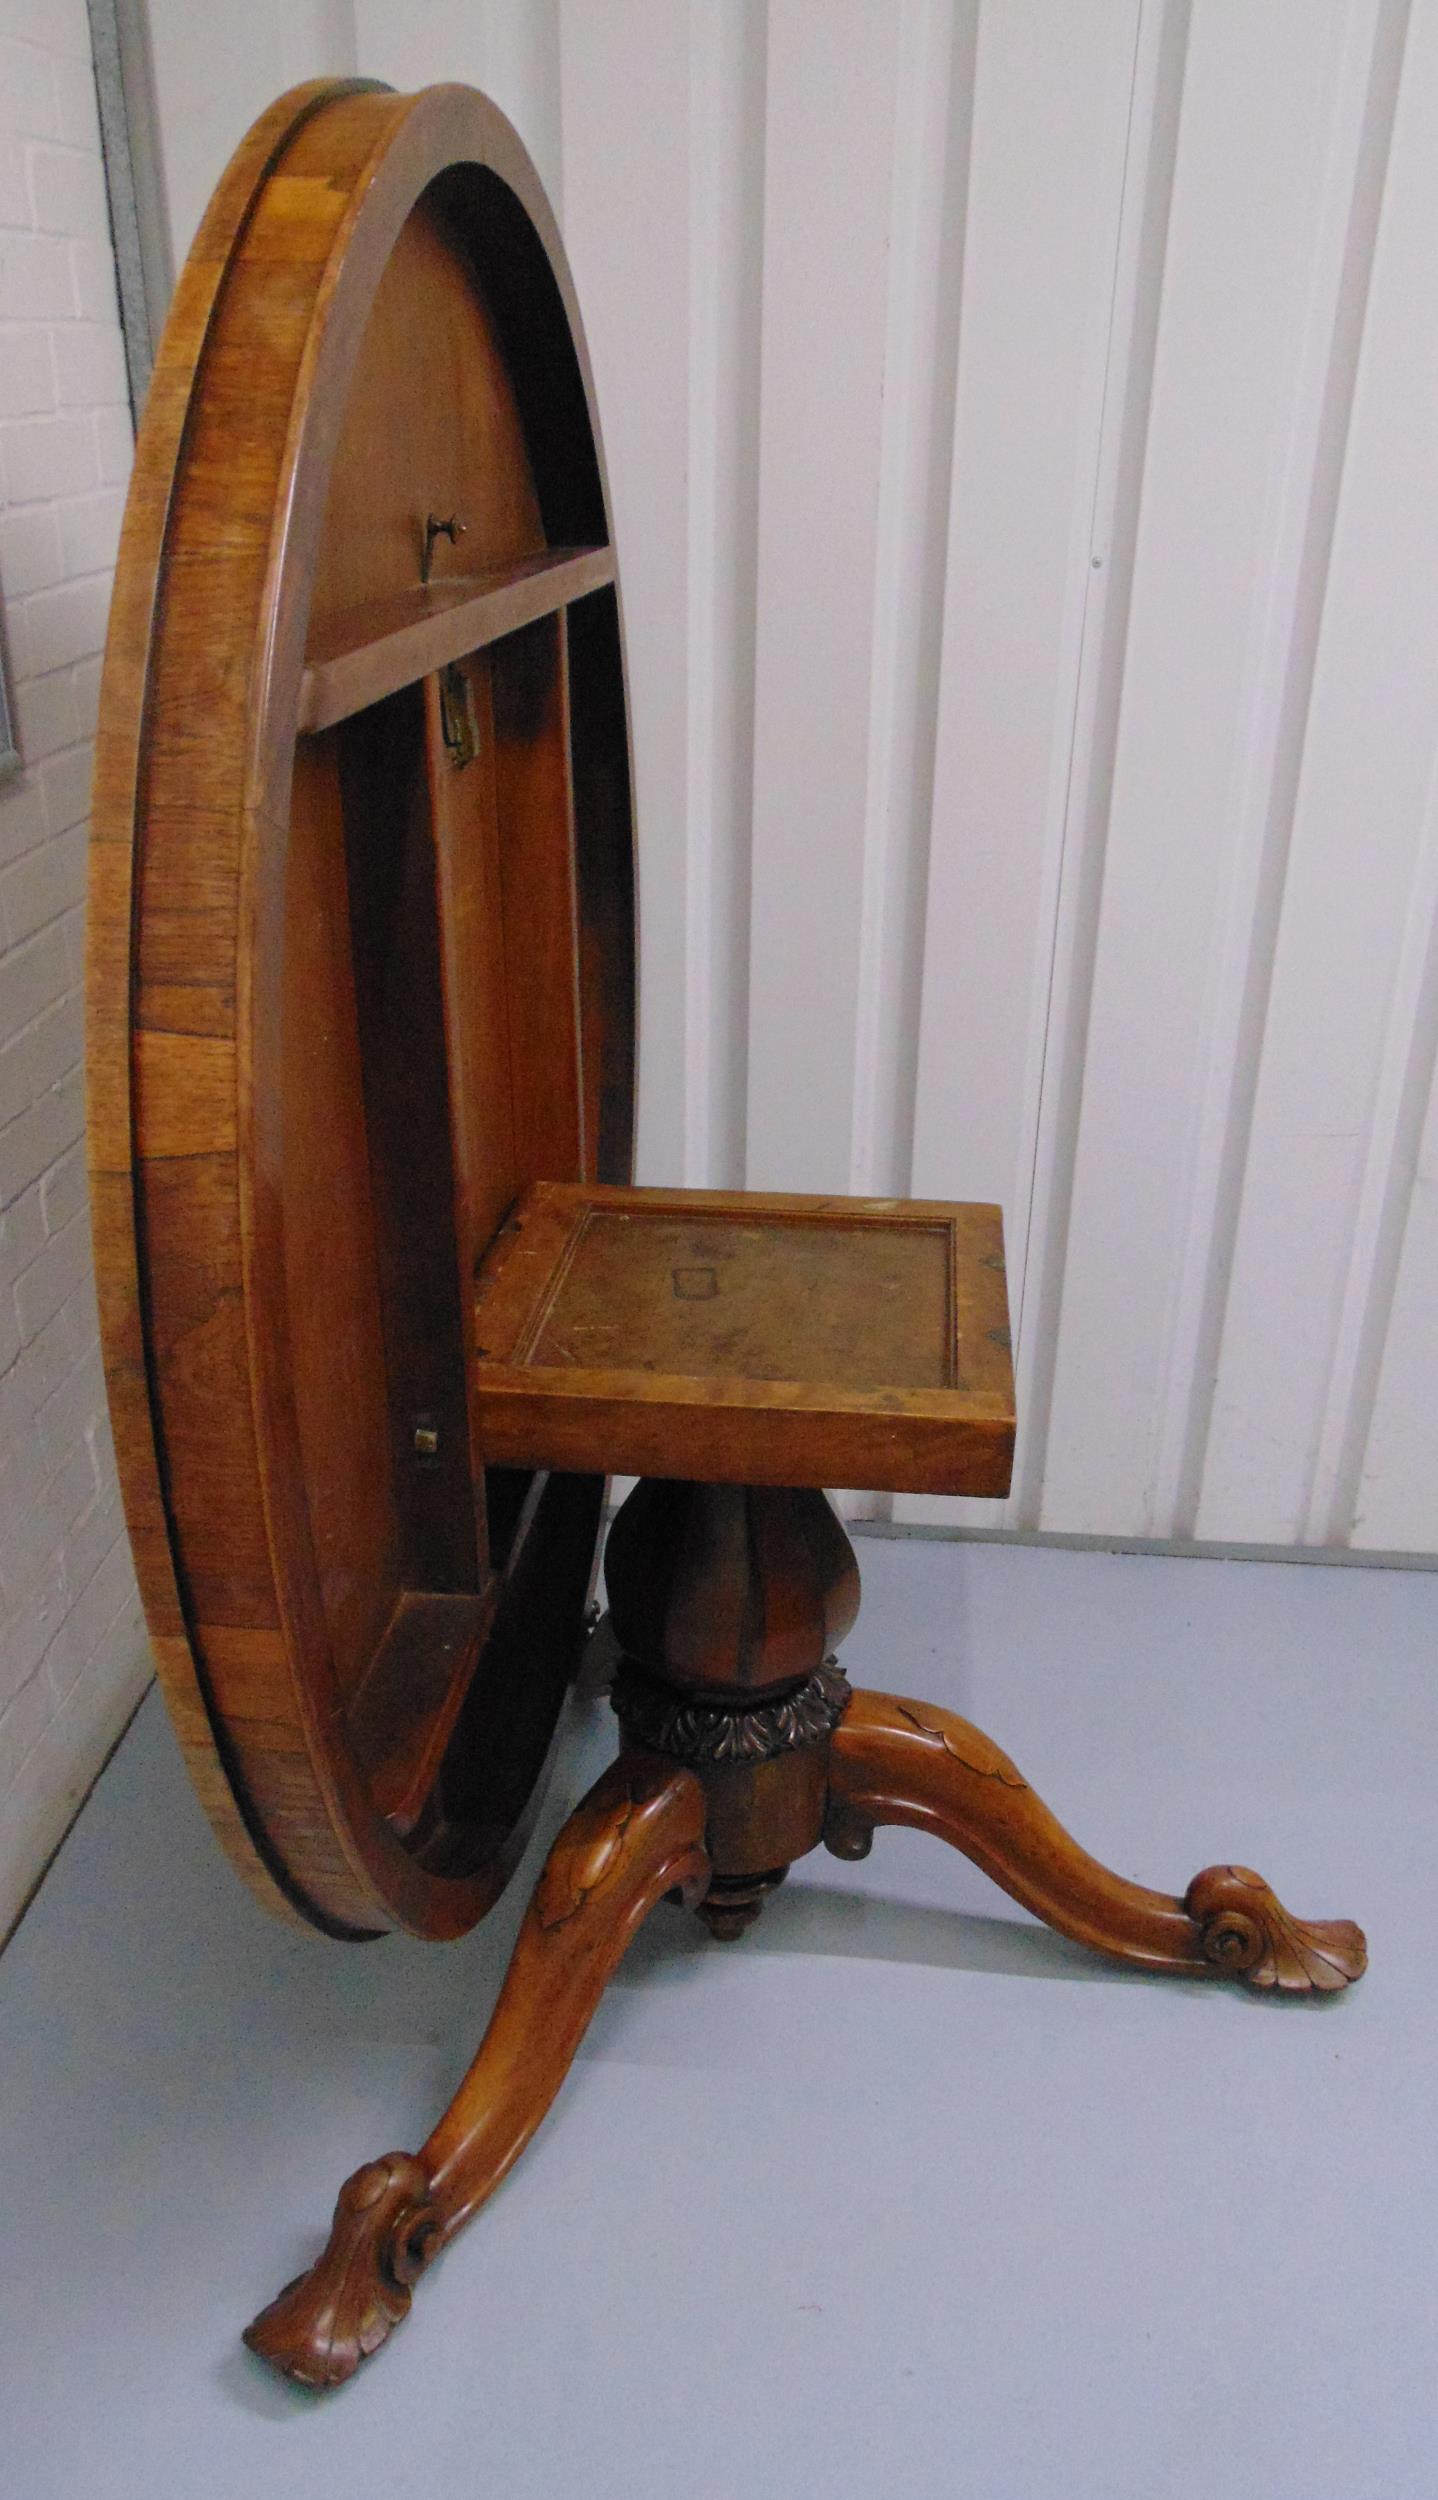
x,y
72,1656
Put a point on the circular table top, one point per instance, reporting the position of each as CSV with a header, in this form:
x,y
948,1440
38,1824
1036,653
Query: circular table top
x,y
362,967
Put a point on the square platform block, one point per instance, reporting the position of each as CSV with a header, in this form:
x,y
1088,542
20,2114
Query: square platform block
x,y
733,1337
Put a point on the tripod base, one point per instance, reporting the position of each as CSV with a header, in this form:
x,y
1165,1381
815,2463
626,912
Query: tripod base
x,y
728,1774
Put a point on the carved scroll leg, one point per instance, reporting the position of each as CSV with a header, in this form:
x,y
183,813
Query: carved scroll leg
x,y
638,1835
896,1761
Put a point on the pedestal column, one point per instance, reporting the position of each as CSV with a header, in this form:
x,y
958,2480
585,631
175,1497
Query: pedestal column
x,y
728,1602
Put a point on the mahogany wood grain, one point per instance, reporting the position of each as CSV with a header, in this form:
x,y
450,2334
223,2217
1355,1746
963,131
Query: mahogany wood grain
x,y
430,429
727,1603
331,1253
739,1757
529,695
717,1594
120,787
398,949
379,1309
728,1589
418,1672
637,1836
897,1761
474,971
364,653
751,1339
367,263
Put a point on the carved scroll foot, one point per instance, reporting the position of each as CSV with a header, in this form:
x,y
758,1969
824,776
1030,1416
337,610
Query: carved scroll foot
x,y
325,2323
1246,1933
895,1761
637,1836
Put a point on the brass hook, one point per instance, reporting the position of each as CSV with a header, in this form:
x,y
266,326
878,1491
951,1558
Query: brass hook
x,y
452,529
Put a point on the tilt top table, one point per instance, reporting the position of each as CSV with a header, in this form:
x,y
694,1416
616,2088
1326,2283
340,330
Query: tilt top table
x,y
380,1308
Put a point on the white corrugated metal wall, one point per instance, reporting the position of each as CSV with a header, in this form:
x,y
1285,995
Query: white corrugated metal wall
x,y
1023,425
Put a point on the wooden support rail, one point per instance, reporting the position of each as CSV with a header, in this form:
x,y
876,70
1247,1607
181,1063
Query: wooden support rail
x,y
368,652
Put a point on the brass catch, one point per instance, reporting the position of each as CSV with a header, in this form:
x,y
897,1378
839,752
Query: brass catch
x,y
458,726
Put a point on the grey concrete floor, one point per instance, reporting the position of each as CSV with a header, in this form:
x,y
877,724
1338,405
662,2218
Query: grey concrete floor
x,y
902,2195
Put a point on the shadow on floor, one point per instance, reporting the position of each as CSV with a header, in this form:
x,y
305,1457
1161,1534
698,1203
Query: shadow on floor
x,y
868,1927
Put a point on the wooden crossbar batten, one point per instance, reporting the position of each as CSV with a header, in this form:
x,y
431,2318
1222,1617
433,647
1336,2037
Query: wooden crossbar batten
x,y
374,650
